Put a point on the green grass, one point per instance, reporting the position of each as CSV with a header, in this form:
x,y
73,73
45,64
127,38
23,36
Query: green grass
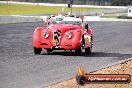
x,y
124,17
31,9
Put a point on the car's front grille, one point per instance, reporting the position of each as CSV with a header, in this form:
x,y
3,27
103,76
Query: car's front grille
x,y
57,36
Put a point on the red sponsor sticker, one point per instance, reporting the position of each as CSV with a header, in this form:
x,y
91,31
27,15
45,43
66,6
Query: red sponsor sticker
x,y
108,78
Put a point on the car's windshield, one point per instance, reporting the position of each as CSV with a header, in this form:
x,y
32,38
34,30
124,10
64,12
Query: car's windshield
x,y
55,20
52,21
59,19
71,22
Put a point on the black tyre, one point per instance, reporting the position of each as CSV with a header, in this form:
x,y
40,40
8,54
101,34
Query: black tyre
x,y
37,50
79,51
81,80
49,50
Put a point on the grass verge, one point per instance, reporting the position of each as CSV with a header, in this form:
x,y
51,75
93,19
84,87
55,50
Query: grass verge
x,y
9,9
124,17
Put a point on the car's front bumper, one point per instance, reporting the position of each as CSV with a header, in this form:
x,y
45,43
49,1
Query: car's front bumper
x,y
66,45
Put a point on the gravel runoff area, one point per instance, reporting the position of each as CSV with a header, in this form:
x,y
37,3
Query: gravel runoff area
x,y
122,68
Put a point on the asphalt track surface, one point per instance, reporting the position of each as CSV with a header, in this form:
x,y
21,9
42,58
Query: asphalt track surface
x,y
20,68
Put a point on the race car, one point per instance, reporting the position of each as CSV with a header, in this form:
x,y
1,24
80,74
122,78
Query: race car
x,y
70,34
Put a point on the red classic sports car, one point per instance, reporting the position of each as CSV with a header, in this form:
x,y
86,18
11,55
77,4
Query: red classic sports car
x,y
71,33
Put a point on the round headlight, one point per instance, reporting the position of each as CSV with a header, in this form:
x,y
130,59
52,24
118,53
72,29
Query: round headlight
x,y
45,34
68,35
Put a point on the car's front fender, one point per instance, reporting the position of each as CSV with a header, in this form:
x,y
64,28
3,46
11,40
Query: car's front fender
x,y
37,36
72,43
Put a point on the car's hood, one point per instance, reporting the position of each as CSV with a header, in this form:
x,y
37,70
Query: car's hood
x,y
62,27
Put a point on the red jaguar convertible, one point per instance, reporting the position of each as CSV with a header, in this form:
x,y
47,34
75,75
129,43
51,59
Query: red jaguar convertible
x,y
71,33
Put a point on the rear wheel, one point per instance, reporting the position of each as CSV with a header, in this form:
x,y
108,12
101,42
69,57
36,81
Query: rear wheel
x,y
37,50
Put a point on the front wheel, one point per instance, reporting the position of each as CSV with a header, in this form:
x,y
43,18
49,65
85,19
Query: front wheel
x,y
37,50
79,51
